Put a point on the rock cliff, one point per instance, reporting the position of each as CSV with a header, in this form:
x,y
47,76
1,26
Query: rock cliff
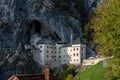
x,y
25,21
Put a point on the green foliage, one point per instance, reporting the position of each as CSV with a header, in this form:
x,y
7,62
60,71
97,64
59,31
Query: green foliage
x,y
96,72
114,67
88,36
105,24
69,71
70,77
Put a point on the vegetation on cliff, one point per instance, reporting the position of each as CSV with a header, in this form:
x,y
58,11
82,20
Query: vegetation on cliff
x,y
104,31
96,72
68,73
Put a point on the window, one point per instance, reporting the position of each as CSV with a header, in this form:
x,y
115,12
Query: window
x,y
47,56
40,46
77,59
77,54
74,54
54,56
51,56
40,51
77,49
47,51
59,56
74,49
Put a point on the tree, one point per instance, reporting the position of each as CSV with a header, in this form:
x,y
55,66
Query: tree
x,y
105,26
69,71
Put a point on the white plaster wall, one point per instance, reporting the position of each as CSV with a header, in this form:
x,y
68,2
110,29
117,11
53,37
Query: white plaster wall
x,y
64,55
35,55
54,55
48,59
58,54
41,53
34,39
73,54
83,51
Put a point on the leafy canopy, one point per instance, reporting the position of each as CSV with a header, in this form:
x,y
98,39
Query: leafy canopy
x,y
105,26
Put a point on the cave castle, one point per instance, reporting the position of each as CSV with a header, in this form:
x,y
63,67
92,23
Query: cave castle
x,y
54,55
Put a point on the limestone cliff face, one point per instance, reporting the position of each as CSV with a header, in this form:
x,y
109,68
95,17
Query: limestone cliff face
x,y
44,20
91,5
49,19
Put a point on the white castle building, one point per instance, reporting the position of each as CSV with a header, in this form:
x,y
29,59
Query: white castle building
x,y
73,54
55,55
48,55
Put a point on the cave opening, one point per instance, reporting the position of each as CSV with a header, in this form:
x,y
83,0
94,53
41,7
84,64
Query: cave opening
x,y
20,9
36,26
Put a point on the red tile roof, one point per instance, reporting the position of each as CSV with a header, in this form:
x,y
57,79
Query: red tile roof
x,y
46,76
31,77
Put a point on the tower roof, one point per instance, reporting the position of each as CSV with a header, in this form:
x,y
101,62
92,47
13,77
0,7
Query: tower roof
x,y
77,41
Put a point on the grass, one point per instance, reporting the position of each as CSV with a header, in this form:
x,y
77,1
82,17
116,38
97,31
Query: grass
x,y
96,72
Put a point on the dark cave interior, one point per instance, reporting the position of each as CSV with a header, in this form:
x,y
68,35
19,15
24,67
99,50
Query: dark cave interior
x,y
35,25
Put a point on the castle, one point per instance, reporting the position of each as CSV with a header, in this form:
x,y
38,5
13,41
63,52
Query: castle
x,y
58,54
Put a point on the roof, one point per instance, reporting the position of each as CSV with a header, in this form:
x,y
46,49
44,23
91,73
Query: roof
x,y
48,42
31,77
27,77
44,41
66,45
77,41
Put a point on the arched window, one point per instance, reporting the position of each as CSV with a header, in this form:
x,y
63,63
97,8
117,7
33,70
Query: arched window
x,y
77,49
74,49
74,54
77,54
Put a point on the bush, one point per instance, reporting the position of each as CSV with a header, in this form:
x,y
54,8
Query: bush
x,y
69,71
69,77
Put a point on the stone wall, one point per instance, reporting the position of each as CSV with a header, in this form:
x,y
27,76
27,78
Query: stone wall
x,y
87,62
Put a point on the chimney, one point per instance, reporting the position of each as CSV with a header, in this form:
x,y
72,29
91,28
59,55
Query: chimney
x,y
47,73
